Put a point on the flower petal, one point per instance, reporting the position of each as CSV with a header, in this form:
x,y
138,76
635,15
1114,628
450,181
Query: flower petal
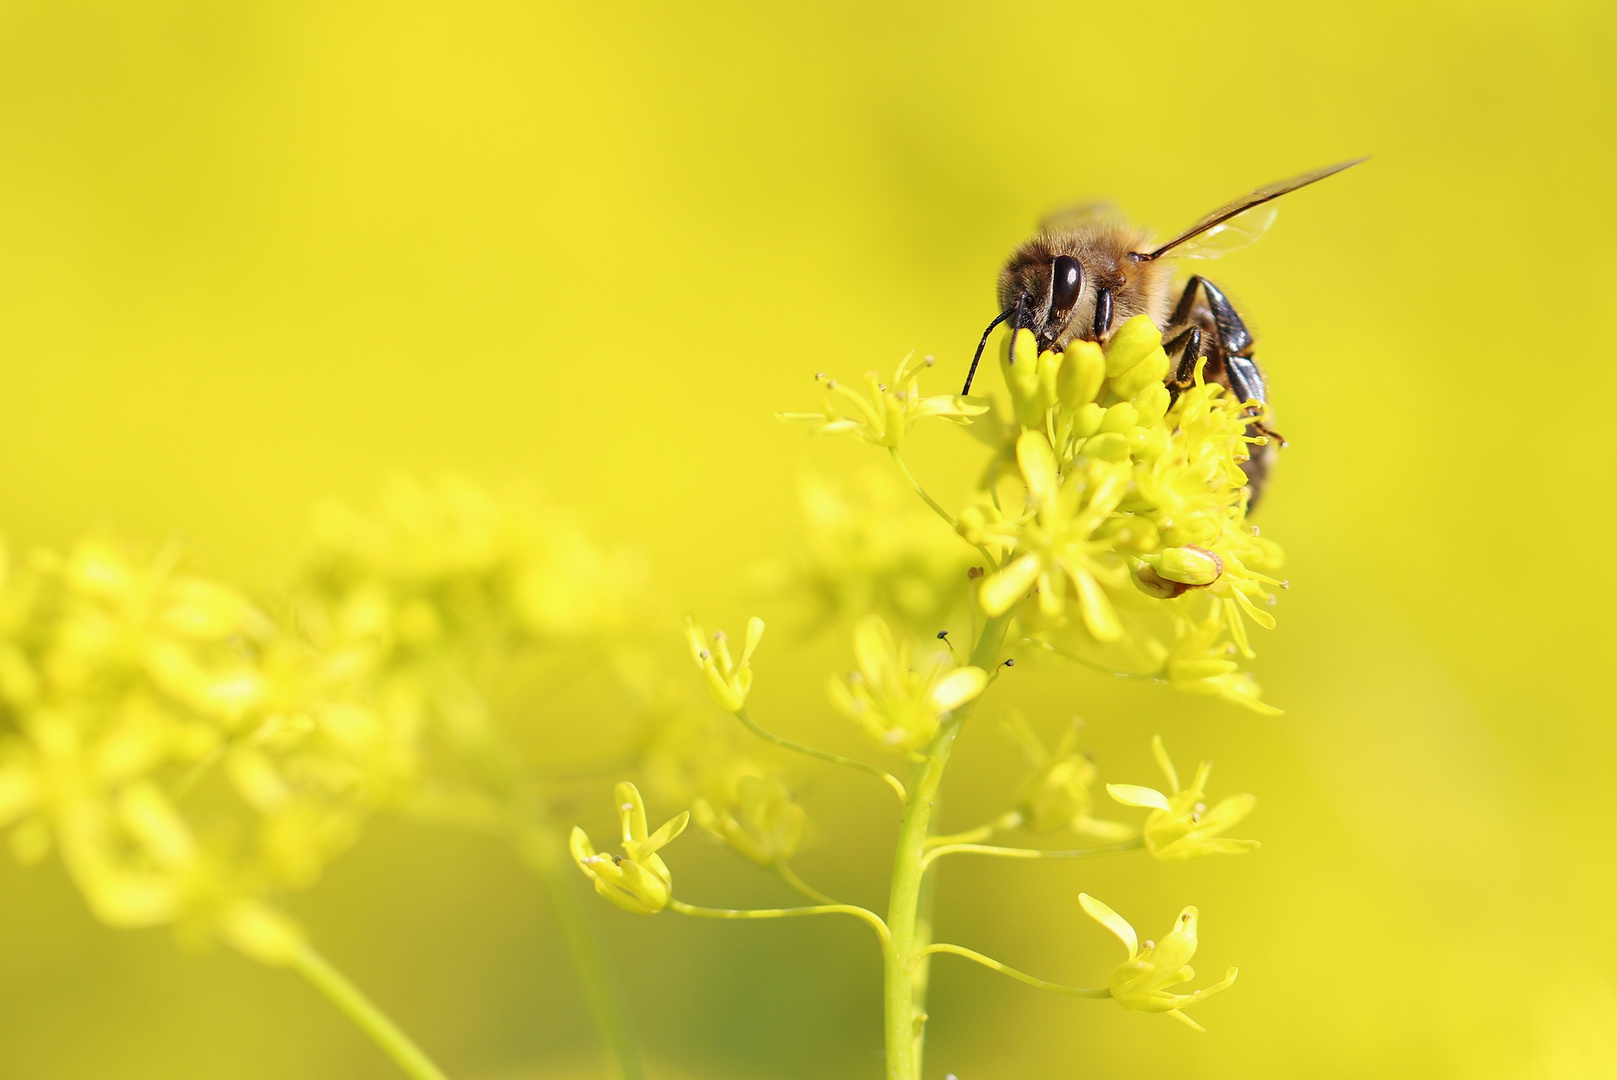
x,y
1038,464
1160,752
631,811
1135,795
697,637
663,836
1112,921
874,650
1228,812
1007,586
755,631
958,687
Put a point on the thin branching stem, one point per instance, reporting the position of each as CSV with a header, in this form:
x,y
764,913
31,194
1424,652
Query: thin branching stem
x,y
366,1016
870,917
1004,823
543,849
1028,853
836,759
1006,969
933,503
789,876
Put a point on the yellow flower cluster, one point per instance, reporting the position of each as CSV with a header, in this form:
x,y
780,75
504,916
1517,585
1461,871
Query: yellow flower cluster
x,y
1057,792
868,545
898,703
461,605
1113,512
187,757
883,413
1125,520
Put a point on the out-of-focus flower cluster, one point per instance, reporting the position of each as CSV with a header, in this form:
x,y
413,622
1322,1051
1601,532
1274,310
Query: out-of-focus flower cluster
x,y
469,609
869,545
186,756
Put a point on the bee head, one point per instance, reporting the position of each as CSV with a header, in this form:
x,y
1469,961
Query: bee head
x,y
1044,288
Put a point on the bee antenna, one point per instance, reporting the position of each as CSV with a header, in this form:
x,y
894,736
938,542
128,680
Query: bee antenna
x,y
1001,317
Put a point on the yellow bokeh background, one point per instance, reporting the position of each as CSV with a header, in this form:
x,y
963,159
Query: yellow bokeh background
x,y
253,255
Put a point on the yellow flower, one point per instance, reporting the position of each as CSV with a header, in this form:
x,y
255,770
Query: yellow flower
x,y
640,882
870,545
1141,982
885,413
756,817
898,705
729,680
1180,825
123,683
1057,794
1058,539
1200,662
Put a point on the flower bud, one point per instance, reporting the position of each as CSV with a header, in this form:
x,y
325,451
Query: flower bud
x,y
1148,581
1190,565
1082,371
1119,417
1152,368
1132,343
1108,446
1087,420
1152,403
972,520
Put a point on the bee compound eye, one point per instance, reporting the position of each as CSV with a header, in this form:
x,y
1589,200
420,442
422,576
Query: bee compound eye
x,y
1066,282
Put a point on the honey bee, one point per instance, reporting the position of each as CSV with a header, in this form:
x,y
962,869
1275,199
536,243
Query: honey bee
x,y
1087,270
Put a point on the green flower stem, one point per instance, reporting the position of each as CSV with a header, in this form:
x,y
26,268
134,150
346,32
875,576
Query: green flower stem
x,y
1006,969
866,914
905,960
789,876
1027,853
1003,823
543,850
940,511
836,759
365,1016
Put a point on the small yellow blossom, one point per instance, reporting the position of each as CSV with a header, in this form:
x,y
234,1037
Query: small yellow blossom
x,y
1141,982
729,679
899,705
1058,539
1180,825
757,817
1057,794
639,881
1201,663
885,413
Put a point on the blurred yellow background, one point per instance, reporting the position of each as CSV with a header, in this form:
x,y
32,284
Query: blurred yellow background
x,y
252,255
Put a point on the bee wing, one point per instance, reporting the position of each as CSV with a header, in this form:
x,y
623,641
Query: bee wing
x,y
1225,233
1072,217
1240,231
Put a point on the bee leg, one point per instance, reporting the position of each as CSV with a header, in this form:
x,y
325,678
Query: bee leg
x,y
1187,300
1184,376
1234,338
